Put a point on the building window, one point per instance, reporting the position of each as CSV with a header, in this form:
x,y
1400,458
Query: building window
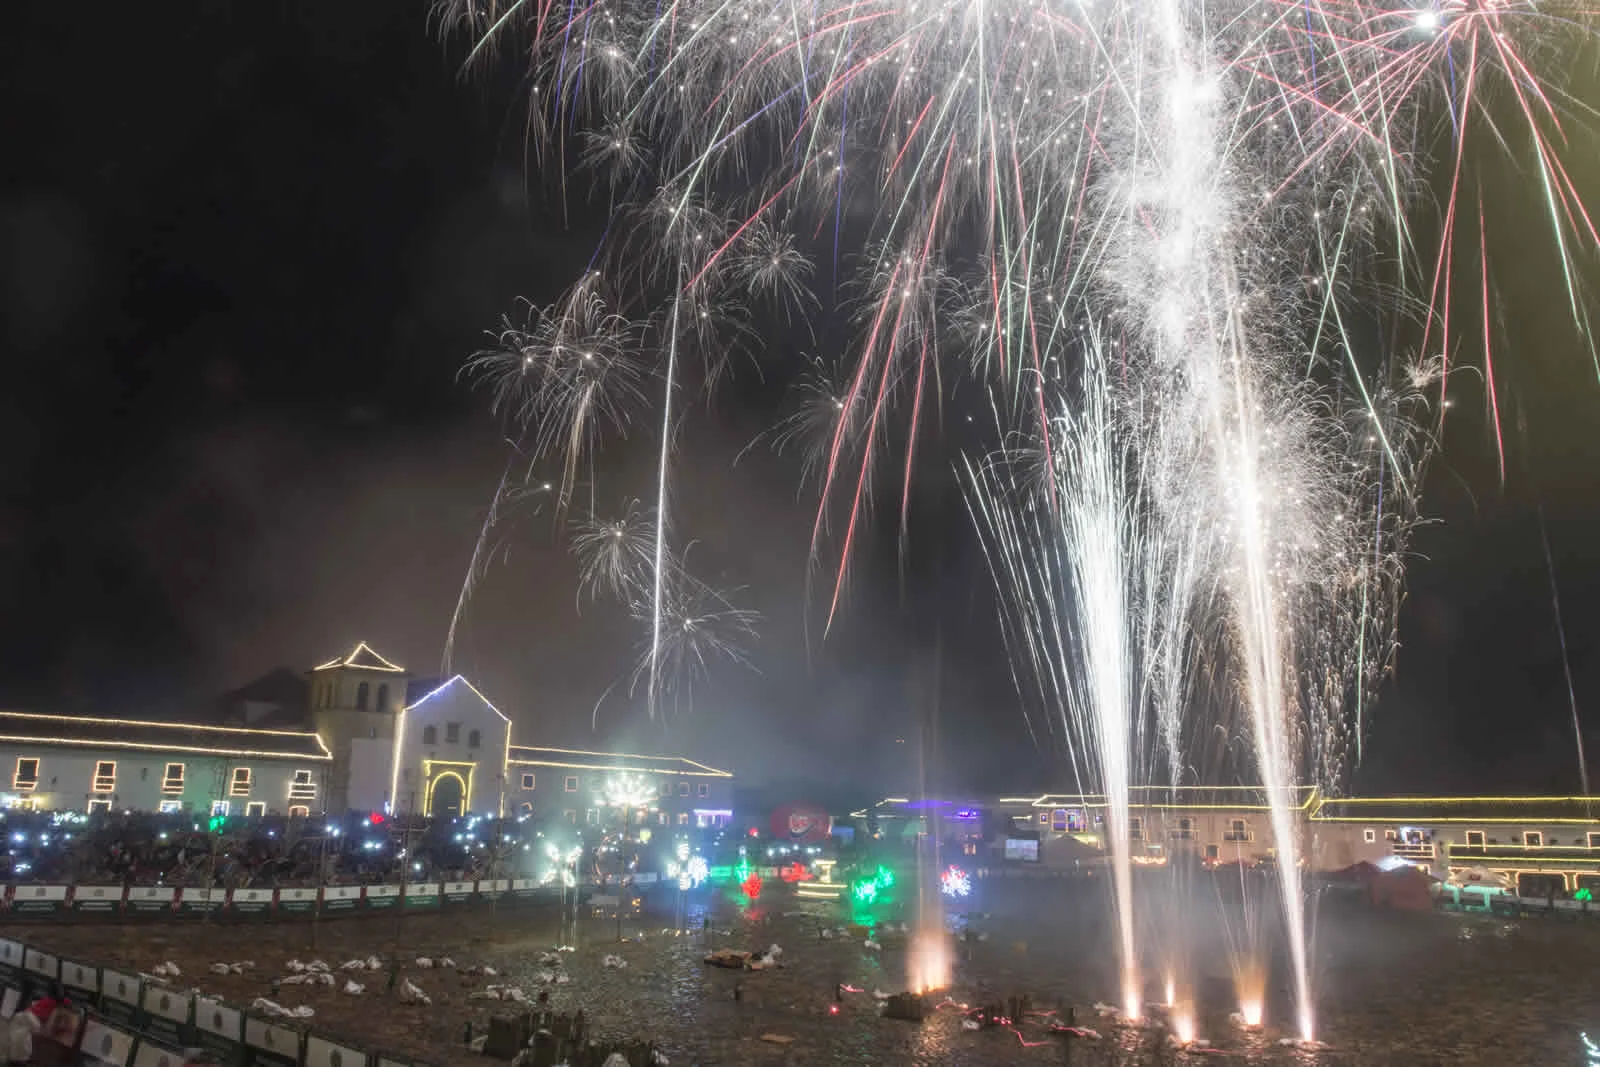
x,y
1474,838
219,807
299,811
683,789
1391,835
99,804
474,739
172,779
572,783
1369,835
1594,839
591,817
571,816
1533,839
527,780
301,787
240,786
1058,820
1237,831
1213,852
703,790
661,818
1185,830
25,779
1135,828
171,807
361,696
430,735
105,776
1044,817
666,789
452,733
383,697
683,818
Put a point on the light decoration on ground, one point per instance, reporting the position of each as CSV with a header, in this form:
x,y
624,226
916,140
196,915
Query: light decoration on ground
x,y
751,886
954,882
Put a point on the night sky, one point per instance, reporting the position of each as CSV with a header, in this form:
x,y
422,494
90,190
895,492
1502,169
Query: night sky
x,y
247,248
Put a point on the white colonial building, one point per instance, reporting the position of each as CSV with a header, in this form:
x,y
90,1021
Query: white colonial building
x,y
356,733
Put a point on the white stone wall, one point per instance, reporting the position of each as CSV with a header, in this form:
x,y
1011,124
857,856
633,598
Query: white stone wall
x,y
418,752
66,776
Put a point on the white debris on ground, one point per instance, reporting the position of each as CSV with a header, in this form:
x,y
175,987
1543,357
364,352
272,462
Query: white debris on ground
x,y
268,1007
308,978
614,962
233,968
166,970
550,959
871,945
411,994
1106,1011
767,959
501,992
565,948
970,1024
616,1059
424,962
659,1059
445,961
878,994
353,989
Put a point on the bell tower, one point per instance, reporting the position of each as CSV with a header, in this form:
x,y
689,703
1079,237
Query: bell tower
x,y
355,699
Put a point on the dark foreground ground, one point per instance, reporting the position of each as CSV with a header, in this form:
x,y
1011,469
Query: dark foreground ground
x,y
1392,988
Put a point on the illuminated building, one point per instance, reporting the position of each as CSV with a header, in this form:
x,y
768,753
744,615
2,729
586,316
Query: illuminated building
x,y
1542,845
358,733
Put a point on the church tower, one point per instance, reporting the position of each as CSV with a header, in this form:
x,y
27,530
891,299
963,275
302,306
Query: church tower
x,y
355,700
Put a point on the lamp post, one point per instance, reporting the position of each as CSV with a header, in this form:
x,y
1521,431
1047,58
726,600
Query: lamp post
x,y
630,792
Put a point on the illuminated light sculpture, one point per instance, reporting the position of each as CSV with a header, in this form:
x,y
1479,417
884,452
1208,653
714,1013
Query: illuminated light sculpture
x,y
752,886
954,882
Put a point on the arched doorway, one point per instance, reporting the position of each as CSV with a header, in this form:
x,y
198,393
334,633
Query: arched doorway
x,y
446,794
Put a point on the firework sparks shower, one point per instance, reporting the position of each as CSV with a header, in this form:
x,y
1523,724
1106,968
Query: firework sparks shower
x,y
1195,215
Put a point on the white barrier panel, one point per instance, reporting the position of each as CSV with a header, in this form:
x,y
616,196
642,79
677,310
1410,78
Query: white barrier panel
x,y
150,898
341,897
297,900
320,1052
153,1055
213,1017
38,898
11,955
96,898
250,901
107,1044
41,963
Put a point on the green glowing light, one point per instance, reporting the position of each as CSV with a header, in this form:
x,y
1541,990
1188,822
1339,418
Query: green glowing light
x,y
1583,894
885,878
866,891
217,823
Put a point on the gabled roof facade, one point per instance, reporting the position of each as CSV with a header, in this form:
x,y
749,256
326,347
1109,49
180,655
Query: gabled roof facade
x,y
361,658
83,731
582,759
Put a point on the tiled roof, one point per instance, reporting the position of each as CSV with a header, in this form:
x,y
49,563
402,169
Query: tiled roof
x,y
611,761
89,731
1460,809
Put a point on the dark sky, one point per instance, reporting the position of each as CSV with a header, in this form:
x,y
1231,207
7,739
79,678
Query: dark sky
x,y
247,247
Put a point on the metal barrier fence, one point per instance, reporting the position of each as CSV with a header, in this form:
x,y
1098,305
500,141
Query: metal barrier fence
x,y
46,902
132,1021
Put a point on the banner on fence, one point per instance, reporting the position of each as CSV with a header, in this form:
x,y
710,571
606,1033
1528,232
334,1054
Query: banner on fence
x,y
341,898
38,899
104,899
297,901
192,900
422,895
524,888
321,1052
150,899
106,1044
119,996
380,897
219,1029
167,1014
459,892
250,901
493,889
81,982
267,1044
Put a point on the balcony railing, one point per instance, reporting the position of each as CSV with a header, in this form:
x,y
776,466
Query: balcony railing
x,y
1408,851
1241,836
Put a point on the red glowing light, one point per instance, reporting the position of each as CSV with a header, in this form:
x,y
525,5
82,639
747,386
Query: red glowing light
x,y
833,1009
752,886
795,872
376,818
